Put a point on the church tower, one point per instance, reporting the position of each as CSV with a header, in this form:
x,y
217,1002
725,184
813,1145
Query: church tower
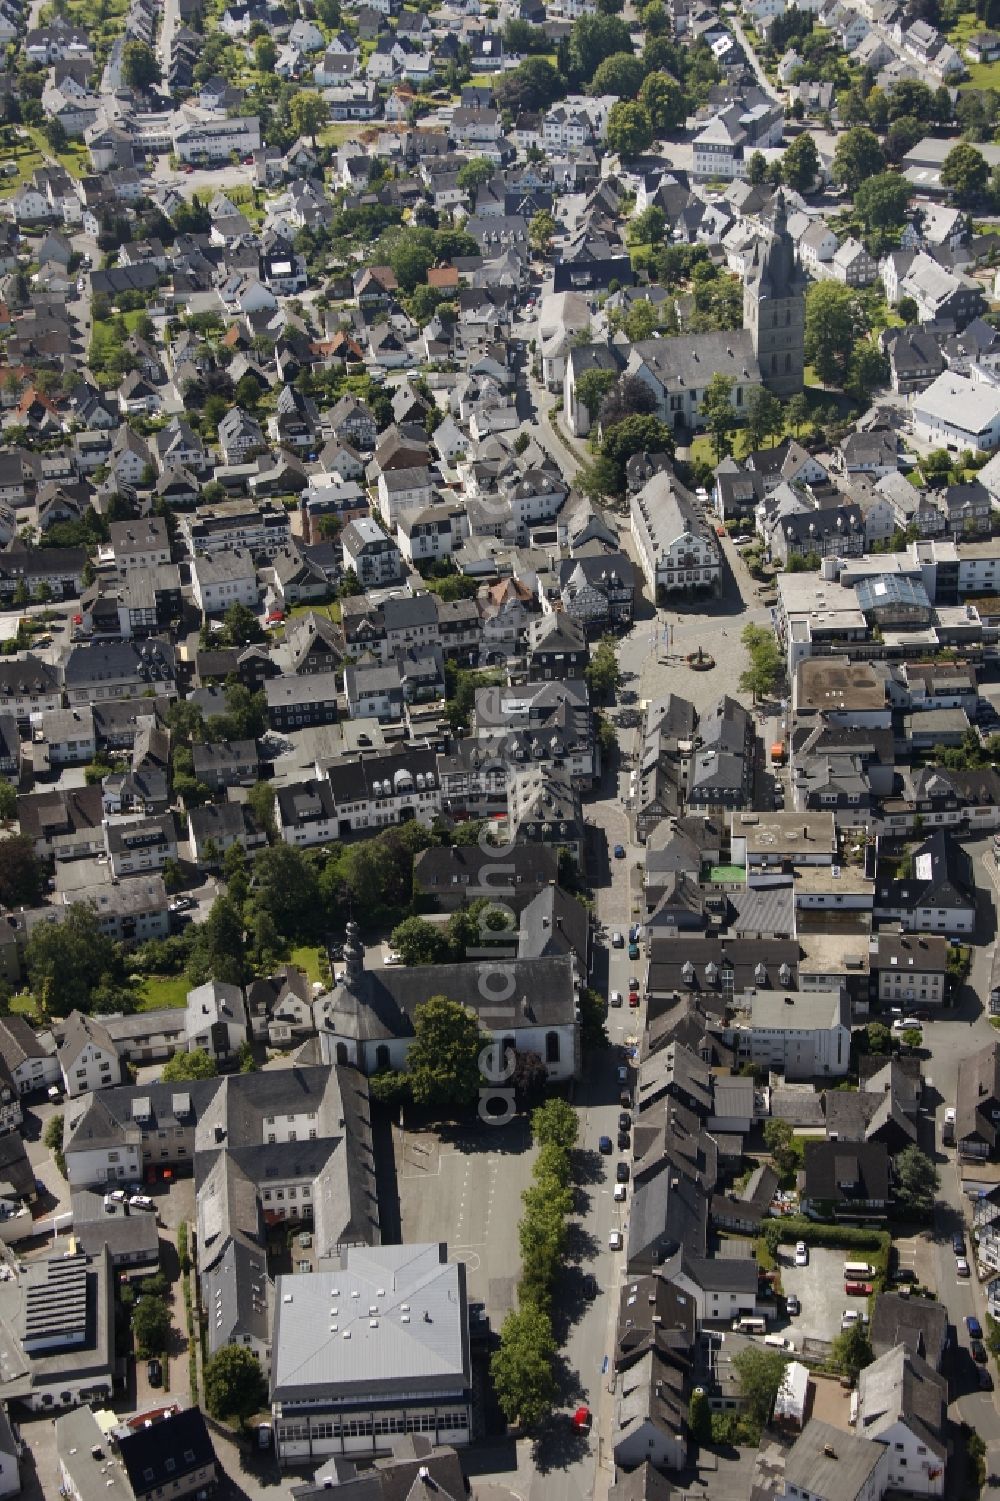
x,y
774,306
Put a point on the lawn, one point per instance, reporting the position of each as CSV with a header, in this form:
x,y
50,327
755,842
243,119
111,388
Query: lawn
x,y
28,160
22,1005
338,132
981,75
158,992
75,158
332,611
308,959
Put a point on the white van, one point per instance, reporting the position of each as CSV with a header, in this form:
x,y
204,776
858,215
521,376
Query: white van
x,y
750,1326
778,1342
857,1271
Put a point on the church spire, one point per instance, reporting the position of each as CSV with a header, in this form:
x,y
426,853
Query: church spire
x,y
354,954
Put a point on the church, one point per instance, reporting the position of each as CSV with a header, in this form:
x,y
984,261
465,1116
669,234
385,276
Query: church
x,y
774,306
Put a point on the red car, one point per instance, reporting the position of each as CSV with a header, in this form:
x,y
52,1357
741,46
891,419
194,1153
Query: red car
x,y
633,998
581,1418
859,1289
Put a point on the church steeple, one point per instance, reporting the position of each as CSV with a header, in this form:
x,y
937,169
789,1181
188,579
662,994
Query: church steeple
x,y
354,955
774,305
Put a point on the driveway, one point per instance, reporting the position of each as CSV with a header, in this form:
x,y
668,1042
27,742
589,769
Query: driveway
x,y
820,1290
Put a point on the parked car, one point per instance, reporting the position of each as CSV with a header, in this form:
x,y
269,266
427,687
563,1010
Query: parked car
x,y
633,951
605,1147
633,998
633,983
958,1244
852,1316
154,1373
962,1267
904,1274
615,1241
624,1121
615,998
619,852
985,1380
590,1287
622,1172
141,1201
801,1253
974,1327
859,1289
617,941
978,1351
624,1141
619,1193
392,957
792,1306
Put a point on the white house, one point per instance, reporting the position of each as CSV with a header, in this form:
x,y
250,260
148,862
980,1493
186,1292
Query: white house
x,y
216,1020
803,1034
221,579
88,1057
677,550
958,412
902,1403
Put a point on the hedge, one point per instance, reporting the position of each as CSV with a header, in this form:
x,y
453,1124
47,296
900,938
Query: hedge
x,y
835,1237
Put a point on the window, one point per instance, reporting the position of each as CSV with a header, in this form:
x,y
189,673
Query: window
x,y
552,1047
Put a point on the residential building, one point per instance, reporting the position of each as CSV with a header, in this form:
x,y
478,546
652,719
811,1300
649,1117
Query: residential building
x,y
87,1056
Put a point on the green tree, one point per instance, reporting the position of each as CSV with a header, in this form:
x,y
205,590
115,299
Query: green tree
x,y
908,310
620,74
869,370
22,875
235,1385
180,1067
902,135
699,1417
420,942
797,411
475,173
591,389
260,800
53,1137
541,230
592,39
73,966
916,1180
800,164
55,135
557,1124
241,626
638,434
881,201
309,113
858,156
664,100
218,949
879,1037
831,326
265,54
912,1037
286,887
151,1326
443,1060
647,228
523,1368
965,173
718,415
764,671
140,69
852,1351
756,169
602,673
761,1372
765,416
778,1138
630,130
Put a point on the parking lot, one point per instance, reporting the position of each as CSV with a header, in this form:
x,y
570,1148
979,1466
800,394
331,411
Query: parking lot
x,y
820,1289
465,1188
